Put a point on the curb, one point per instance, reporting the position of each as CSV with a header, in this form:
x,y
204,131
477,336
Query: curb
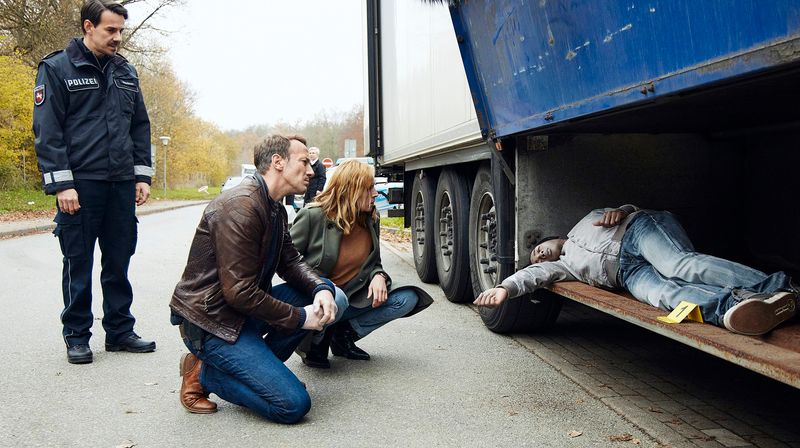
x,y
404,256
42,228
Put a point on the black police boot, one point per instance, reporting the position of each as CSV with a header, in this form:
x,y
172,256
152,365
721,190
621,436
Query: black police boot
x,y
317,355
79,354
343,343
133,344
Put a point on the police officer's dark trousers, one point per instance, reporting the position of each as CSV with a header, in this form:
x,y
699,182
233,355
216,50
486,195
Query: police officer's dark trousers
x,y
107,215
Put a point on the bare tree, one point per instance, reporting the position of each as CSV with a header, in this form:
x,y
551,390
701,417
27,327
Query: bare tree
x,y
34,28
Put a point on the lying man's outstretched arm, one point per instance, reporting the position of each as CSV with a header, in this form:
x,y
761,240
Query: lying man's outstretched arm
x,y
525,281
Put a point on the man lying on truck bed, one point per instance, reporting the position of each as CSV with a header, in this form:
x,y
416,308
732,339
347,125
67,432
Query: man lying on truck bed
x,y
648,253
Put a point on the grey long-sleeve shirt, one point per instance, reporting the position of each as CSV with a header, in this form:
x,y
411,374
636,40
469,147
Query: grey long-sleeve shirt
x,y
590,255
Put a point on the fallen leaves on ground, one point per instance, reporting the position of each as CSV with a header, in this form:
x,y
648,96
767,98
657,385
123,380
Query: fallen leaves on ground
x,y
397,238
26,215
624,438
574,434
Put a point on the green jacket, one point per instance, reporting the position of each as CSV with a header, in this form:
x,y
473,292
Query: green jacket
x,y
318,239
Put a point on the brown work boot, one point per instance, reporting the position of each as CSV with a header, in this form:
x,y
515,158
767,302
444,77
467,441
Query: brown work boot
x,y
192,396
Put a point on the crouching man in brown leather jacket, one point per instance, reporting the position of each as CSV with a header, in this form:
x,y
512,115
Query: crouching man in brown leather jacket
x,y
237,326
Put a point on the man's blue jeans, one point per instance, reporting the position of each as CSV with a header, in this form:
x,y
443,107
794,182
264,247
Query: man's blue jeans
x,y
368,319
251,371
659,266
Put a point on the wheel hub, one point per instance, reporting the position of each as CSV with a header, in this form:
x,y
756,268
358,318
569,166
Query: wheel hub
x,y
419,224
487,242
446,232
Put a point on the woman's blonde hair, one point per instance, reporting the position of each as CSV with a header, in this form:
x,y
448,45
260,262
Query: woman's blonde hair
x,y
340,199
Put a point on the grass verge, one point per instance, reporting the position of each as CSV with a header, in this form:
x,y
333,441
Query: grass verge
x,y
25,203
23,200
183,194
396,223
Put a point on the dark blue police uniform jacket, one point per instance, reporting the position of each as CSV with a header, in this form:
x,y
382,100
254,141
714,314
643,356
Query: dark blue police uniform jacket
x,y
90,122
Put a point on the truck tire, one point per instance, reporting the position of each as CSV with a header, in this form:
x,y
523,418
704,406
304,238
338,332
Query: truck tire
x,y
423,243
531,313
483,234
452,235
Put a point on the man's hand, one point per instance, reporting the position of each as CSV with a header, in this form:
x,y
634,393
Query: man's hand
x,y
68,201
324,307
142,192
612,218
377,290
312,319
492,298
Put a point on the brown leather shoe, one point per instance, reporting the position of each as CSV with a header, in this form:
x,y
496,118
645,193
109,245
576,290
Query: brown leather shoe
x,y
192,396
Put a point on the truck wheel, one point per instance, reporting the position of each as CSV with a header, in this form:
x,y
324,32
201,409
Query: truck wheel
x,y
530,313
452,230
483,234
423,243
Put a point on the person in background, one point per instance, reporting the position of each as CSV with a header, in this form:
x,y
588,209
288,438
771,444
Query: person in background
x,y
338,236
648,253
93,146
240,329
317,183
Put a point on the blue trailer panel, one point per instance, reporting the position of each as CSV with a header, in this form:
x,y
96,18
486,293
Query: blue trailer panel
x,y
533,64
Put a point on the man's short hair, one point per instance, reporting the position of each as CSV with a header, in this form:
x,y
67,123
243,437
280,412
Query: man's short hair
x,y
93,9
273,144
547,238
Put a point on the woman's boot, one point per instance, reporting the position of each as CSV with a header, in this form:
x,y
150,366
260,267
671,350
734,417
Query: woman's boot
x,y
344,340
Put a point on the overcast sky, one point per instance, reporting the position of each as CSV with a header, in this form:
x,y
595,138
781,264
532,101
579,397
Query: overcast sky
x,y
260,61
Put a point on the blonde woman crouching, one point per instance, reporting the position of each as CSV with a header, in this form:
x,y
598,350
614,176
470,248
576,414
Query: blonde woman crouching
x,y
338,237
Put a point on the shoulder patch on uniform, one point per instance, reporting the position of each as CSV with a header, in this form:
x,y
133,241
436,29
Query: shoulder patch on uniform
x,y
38,95
52,54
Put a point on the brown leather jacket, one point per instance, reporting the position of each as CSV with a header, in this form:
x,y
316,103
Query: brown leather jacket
x,y
241,241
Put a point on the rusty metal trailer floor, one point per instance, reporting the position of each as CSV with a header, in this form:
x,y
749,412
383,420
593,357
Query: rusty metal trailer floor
x,y
776,355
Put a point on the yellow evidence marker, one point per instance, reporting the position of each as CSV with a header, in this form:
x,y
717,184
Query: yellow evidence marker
x,y
684,311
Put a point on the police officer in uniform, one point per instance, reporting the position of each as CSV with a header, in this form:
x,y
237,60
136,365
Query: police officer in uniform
x,y
93,146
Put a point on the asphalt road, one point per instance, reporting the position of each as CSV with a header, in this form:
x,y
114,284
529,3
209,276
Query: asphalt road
x,y
436,379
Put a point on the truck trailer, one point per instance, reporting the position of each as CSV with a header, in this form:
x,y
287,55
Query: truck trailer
x,y
509,120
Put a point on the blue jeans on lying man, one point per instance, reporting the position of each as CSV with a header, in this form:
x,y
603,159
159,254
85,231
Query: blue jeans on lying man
x,y
368,319
251,371
659,266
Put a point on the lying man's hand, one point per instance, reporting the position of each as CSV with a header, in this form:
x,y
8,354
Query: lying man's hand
x,y
492,298
324,306
612,218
